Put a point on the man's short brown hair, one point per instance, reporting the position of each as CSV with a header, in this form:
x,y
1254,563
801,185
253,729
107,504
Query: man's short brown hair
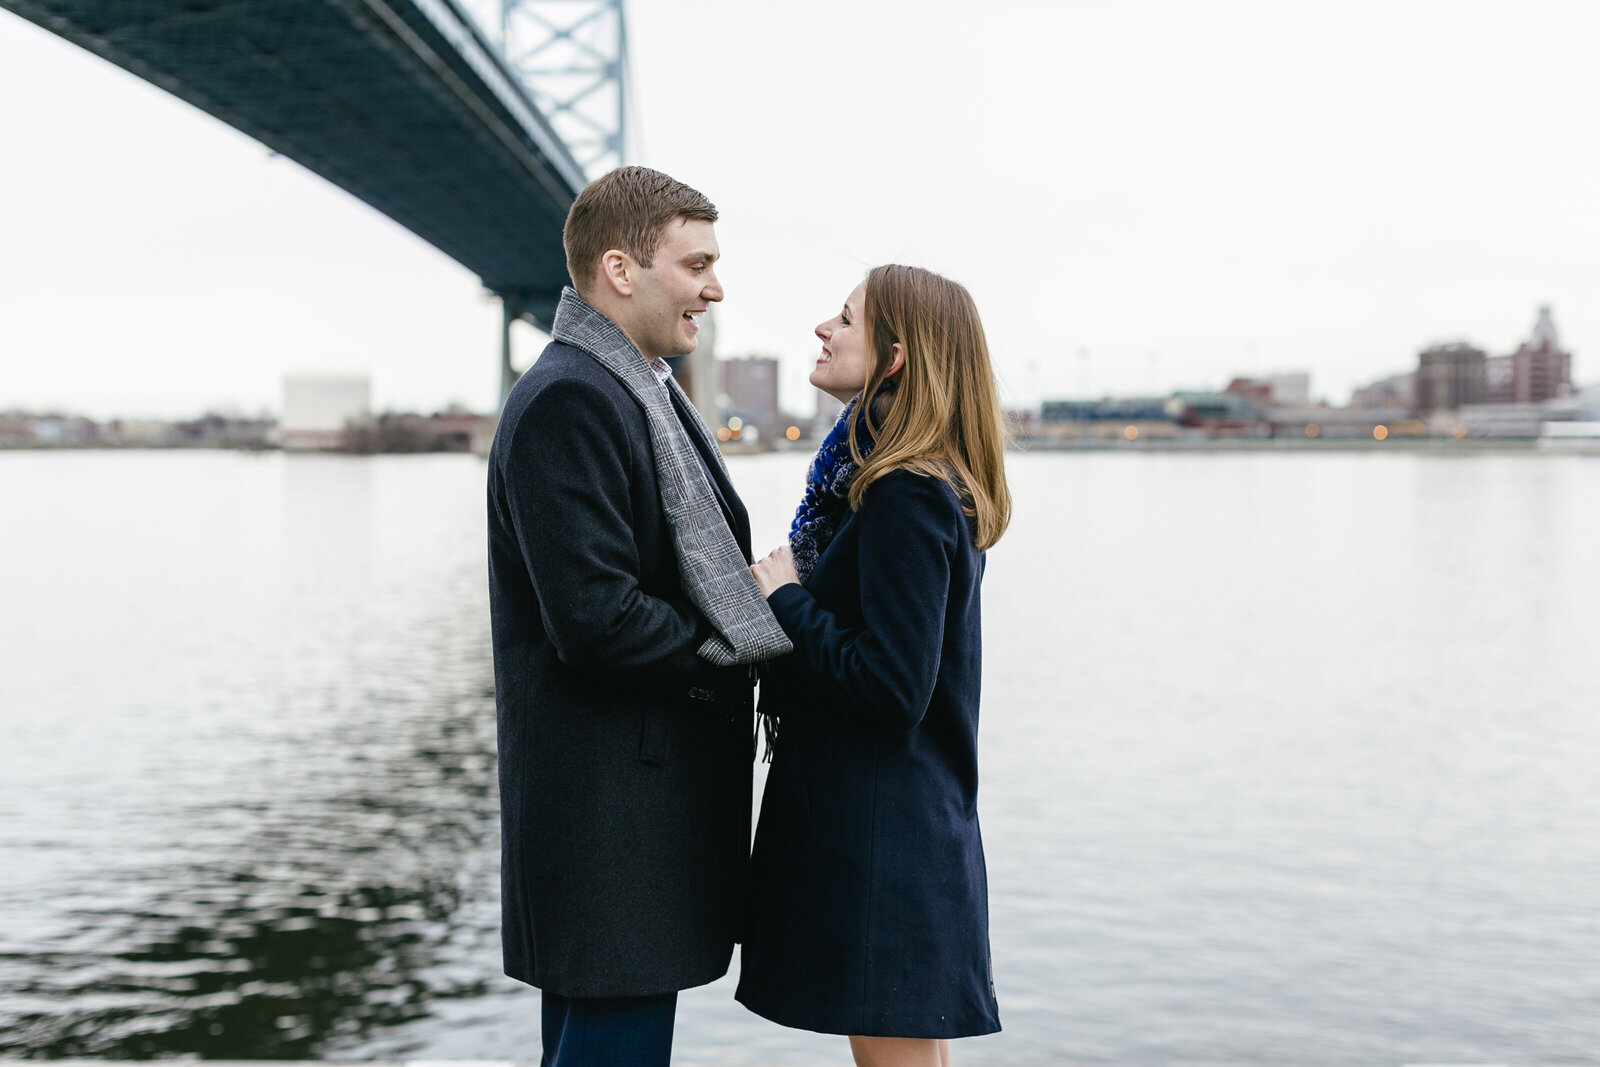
x,y
626,209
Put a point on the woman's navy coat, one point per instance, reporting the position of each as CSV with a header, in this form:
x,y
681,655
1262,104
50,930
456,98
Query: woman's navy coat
x,y
870,906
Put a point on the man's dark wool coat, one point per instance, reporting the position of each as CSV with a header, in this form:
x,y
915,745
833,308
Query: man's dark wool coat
x,y
625,760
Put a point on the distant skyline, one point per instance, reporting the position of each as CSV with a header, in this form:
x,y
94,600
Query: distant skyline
x,y
1182,192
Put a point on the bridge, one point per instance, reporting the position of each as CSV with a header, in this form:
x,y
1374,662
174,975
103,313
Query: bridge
x,y
406,104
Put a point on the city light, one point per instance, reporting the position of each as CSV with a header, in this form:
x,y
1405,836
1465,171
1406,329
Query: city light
x,y
792,433
1131,432
1380,432
1312,429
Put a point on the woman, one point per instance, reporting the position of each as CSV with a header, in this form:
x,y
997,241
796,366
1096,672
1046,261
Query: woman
x,y
870,907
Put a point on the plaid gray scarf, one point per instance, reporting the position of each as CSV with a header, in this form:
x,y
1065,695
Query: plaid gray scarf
x,y
715,573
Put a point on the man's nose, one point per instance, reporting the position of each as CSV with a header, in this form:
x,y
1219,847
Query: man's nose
x,y
713,288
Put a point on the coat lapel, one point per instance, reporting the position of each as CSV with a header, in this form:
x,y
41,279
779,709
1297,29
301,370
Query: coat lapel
x,y
700,436
715,565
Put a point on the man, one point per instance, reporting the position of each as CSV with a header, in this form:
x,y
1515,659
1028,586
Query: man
x,y
625,620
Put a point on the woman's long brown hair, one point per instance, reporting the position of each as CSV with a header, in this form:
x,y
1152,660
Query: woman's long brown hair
x,y
940,415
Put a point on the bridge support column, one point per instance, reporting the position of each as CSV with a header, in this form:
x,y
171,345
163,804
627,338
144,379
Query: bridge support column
x,y
510,311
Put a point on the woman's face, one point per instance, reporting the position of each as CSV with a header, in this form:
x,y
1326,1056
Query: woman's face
x,y
846,359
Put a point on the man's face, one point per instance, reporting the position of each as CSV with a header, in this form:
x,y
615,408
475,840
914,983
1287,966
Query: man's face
x,y
675,290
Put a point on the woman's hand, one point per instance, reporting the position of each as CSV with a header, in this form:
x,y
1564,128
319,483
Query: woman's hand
x,y
775,570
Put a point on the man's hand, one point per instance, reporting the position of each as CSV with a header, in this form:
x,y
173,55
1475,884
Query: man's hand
x,y
775,570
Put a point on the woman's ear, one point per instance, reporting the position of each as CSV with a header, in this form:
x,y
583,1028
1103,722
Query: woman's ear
x,y
897,359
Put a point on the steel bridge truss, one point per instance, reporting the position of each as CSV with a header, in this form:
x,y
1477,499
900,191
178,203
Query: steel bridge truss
x,y
573,56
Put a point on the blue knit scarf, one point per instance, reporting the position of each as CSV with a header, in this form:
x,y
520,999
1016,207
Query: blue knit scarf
x,y
827,499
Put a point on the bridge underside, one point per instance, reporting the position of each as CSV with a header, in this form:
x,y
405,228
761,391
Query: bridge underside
x,y
400,102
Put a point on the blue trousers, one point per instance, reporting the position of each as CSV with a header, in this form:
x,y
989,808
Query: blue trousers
x,y
607,1031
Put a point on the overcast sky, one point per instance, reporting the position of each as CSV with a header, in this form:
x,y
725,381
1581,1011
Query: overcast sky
x,y
1141,196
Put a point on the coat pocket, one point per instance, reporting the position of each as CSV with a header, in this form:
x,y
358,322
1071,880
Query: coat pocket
x,y
652,737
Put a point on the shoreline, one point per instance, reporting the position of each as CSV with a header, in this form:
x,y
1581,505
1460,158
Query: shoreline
x,y
1466,446
1469,446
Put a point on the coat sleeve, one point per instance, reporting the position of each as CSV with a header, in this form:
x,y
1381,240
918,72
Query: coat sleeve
x,y
885,669
568,494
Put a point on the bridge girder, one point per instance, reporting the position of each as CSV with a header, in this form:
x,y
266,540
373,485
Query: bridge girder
x,y
402,103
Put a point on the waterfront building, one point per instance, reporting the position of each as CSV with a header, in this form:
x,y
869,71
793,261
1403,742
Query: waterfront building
x,y
16,429
1540,370
1291,388
1450,375
1580,428
697,373
745,404
318,408
1497,388
1128,418
751,386
1510,420
150,432
19,429
749,393
1225,414
219,431
460,430
1395,391
1256,391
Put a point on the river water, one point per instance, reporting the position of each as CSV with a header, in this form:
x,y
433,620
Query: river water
x,y
1286,758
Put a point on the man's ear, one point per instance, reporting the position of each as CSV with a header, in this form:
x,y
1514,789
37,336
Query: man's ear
x,y
897,359
617,272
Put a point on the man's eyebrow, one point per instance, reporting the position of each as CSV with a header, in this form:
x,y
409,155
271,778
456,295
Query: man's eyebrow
x,y
702,254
